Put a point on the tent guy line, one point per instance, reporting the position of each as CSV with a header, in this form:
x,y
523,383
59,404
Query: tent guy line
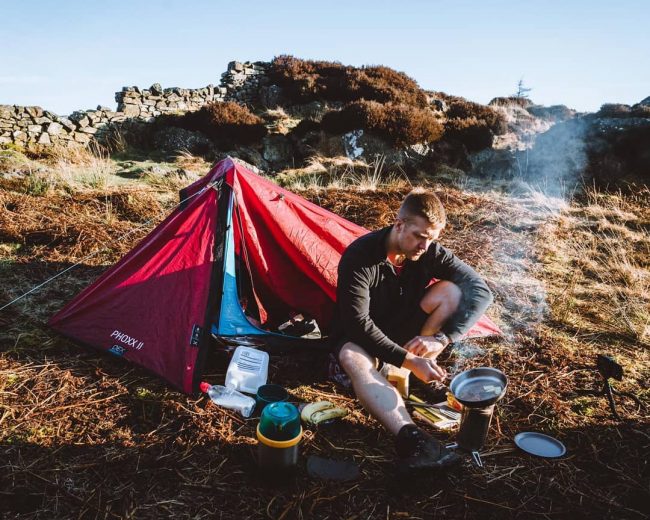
x,y
88,257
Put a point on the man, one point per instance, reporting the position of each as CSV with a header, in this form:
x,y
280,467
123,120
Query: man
x,y
388,311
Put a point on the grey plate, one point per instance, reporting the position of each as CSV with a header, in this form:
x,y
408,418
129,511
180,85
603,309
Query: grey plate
x,y
539,444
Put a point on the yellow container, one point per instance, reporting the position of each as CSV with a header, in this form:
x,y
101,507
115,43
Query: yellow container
x,y
398,377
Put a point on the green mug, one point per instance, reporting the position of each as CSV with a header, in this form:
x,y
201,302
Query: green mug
x,y
267,394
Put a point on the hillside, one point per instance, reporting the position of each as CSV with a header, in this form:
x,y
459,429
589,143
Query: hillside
x,y
84,434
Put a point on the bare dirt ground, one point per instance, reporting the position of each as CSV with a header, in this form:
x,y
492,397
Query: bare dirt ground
x,y
83,434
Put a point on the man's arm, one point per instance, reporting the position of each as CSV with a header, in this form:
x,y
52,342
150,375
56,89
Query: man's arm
x,y
476,296
353,300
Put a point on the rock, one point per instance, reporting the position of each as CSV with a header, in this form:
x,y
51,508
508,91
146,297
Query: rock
x,y
156,89
277,149
314,110
34,129
439,105
5,140
54,129
249,158
187,175
271,96
82,138
131,110
103,109
42,120
6,111
93,116
645,102
88,130
172,139
67,124
34,111
80,118
44,139
156,170
236,66
353,149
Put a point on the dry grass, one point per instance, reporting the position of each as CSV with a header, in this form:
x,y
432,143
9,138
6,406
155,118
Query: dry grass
x,y
61,169
83,434
602,260
324,173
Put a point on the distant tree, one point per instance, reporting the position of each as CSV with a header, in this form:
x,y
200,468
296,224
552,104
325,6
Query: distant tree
x,y
522,90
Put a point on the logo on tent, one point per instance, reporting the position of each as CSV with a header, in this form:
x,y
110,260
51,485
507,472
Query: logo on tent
x,y
117,350
127,340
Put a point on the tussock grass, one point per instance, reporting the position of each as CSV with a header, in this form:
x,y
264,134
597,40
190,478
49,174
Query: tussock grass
x,y
187,160
603,263
342,173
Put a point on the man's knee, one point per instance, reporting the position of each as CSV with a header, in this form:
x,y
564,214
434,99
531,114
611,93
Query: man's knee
x,y
442,295
353,358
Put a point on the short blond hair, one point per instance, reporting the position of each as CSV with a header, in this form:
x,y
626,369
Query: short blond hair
x,y
423,203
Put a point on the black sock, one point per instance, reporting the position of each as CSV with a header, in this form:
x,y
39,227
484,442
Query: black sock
x,y
406,440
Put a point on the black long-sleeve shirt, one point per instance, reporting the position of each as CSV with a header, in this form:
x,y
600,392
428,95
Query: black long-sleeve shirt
x,y
370,294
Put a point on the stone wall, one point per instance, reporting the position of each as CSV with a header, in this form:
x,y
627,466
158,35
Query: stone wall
x,y
35,127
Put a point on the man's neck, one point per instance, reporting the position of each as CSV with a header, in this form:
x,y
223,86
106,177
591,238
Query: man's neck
x,y
393,254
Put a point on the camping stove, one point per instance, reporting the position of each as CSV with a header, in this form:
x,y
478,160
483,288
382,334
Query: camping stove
x,y
478,390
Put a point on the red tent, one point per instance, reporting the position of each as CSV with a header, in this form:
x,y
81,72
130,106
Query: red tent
x,y
160,304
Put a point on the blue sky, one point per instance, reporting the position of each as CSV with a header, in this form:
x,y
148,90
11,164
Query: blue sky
x,y
71,54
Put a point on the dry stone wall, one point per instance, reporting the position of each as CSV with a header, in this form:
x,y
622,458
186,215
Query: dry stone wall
x,y
35,127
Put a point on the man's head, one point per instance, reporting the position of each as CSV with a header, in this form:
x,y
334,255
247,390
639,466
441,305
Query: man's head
x,y
420,220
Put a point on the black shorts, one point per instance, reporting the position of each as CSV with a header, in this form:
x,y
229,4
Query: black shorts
x,y
401,328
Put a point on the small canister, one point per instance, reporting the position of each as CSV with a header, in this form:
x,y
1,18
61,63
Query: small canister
x,y
267,394
278,432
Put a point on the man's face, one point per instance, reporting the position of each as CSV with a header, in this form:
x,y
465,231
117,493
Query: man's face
x,y
414,236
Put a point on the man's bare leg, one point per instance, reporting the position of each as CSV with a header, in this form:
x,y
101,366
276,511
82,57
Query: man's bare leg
x,y
377,395
440,301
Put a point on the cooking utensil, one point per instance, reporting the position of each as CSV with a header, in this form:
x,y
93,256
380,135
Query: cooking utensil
x,y
539,444
479,387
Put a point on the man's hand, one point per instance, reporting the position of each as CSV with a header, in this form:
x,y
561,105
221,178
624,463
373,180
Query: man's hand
x,y
425,346
425,369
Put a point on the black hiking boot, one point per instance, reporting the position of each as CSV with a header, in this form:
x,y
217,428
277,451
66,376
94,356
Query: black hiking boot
x,y
419,452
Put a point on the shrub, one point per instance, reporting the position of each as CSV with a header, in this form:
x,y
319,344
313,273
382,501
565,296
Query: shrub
x,y
511,100
552,113
460,108
400,124
474,133
614,110
306,80
228,122
304,127
641,111
620,110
